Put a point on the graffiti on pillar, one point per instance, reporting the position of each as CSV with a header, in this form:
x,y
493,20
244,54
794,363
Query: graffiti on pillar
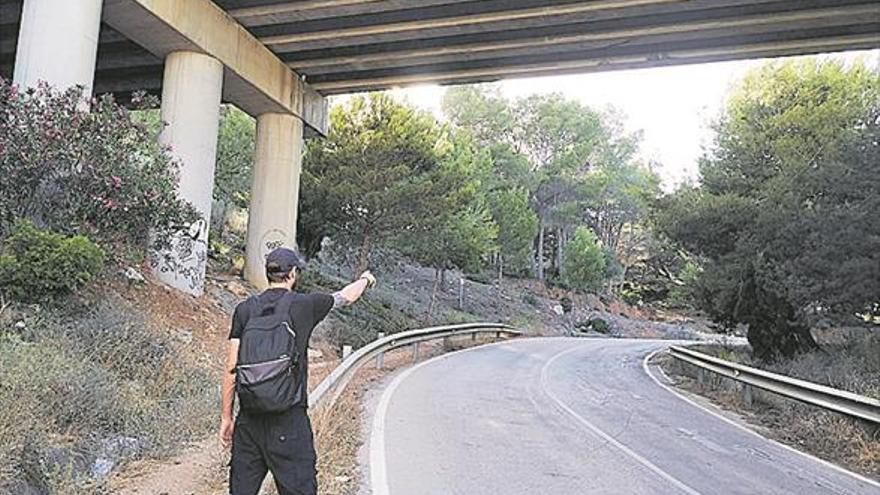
x,y
186,258
273,239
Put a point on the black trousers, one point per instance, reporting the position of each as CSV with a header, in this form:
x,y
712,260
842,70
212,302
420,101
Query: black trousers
x,y
279,443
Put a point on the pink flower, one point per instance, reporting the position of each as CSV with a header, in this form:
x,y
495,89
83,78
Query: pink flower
x,y
117,181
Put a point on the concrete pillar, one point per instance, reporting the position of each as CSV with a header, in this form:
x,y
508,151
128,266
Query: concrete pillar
x,y
58,43
274,192
191,110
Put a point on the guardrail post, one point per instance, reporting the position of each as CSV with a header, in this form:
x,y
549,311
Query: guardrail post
x,y
497,335
415,352
380,359
701,376
747,396
461,293
474,337
346,351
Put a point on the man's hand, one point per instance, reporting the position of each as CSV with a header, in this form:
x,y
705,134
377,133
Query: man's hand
x,y
227,426
353,291
368,276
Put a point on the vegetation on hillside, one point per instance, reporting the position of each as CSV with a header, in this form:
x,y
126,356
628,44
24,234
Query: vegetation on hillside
x,y
784,222
87,382
780,234
574,166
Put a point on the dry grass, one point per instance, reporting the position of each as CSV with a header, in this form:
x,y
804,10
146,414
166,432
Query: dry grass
x,y
830,436
89,385
337,440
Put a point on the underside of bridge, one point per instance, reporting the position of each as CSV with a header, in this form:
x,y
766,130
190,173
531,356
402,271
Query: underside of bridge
x,y
278,59
341,46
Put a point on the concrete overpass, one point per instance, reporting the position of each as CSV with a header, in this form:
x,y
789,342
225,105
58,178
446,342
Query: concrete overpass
x,y
278,59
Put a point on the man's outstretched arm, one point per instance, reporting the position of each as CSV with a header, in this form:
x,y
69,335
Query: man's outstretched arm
x,y
353,291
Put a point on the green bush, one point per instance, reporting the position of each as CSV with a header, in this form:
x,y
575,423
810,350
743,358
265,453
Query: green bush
x,y
584,260
594,324
37,265
93,171
530,299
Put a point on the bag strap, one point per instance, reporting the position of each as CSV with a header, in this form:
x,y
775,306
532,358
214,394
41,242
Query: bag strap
x,y
285,305
283,308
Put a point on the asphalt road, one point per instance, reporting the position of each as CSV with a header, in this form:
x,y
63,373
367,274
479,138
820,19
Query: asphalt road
x,y
566,417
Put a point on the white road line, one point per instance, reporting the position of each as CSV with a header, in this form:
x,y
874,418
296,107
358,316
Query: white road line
x,y
638,458
378,462
745,428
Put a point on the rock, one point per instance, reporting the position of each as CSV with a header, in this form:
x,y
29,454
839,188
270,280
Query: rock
x,y
65,458
114,450
122,446
20,325
558,310
133,276
102,467
315,354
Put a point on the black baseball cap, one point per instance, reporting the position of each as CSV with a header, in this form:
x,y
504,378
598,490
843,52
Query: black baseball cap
x,y
282,260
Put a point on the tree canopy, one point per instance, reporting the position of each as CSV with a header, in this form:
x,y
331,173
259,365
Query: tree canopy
x,y
557,164
785,215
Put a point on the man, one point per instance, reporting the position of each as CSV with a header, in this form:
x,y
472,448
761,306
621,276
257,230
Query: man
x,y
280,442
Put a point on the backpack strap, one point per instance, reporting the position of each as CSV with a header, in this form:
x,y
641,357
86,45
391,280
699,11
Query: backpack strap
x,y
283,306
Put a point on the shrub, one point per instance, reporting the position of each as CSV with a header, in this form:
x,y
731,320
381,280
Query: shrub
x,y
90,170
530,299
37,265
584,260
594,324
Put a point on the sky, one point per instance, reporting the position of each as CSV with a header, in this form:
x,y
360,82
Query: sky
x,y
672,106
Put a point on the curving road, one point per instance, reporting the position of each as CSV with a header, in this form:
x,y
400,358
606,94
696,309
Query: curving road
x,y
571,417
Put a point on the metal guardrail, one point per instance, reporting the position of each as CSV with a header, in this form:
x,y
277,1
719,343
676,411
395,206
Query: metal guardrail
x,y
848,403
326,393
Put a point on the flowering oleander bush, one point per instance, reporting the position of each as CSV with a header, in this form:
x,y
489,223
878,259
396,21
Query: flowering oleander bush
x,y
88,168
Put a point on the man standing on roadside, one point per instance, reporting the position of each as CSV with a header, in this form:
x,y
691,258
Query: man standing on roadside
x,y
267,368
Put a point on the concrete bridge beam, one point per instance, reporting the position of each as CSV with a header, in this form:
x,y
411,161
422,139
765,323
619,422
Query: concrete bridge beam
x,y
58,43
274,191
191,90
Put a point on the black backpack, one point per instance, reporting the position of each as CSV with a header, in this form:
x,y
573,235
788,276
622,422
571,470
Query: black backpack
x,y
267,377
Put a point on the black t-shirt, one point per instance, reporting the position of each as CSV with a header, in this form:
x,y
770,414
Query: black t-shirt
x,y
306,311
